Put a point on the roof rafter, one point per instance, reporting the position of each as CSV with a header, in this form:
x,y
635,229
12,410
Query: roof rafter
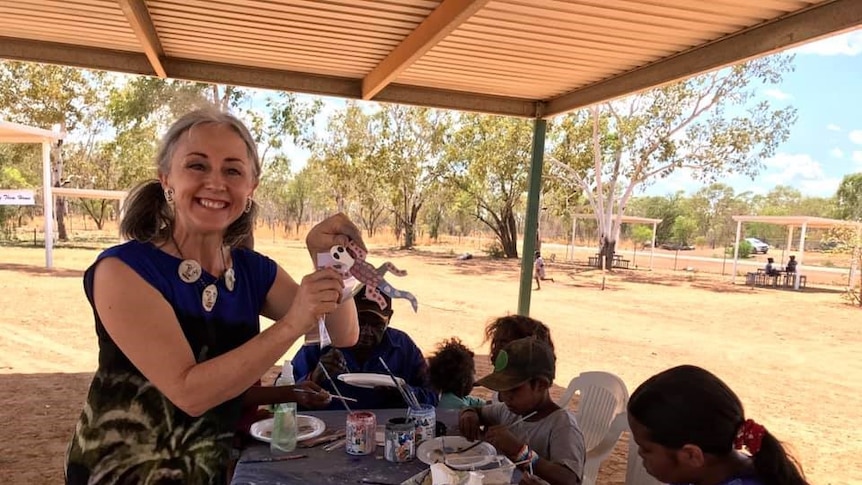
x,y
440,23
142,24
827,18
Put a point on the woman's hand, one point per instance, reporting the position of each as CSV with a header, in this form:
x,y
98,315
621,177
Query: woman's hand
x,y
317,295
335,230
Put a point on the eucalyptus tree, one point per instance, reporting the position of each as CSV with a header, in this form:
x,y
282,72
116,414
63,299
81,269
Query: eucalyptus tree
x,y
410,151
710,125
489,160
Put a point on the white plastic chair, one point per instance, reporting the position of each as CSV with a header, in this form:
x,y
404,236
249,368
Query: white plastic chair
x,y
601,415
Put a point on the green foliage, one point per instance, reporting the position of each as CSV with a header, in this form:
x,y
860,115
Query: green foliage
x,y
641,235
683,229
745,249
488,160
848,198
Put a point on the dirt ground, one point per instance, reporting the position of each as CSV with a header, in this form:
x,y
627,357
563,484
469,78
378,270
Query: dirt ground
x,y
793,357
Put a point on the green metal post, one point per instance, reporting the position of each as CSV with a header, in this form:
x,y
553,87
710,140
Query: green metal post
x,y
531,222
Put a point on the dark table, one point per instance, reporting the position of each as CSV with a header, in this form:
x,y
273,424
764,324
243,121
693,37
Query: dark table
x,y
333,467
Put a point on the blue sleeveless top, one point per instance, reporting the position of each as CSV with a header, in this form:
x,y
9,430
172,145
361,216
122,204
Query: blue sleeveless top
x,y
129,432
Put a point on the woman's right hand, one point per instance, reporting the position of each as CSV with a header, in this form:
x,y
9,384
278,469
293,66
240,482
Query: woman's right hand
x,y
317,295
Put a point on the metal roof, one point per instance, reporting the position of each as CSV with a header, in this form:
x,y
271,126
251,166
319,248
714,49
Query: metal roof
x,y
530,58
798,221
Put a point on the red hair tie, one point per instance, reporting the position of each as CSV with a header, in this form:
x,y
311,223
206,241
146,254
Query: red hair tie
x,y
750,436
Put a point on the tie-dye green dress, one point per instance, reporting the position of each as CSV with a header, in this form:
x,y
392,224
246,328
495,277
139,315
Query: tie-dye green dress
x,y
129,432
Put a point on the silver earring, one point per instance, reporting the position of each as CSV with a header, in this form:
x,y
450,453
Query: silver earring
x,y
248,204
169,196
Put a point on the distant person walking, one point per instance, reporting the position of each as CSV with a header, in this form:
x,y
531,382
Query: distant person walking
x,y
539,271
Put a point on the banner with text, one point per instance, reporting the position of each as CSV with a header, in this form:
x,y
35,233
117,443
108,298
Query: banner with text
x,y
17,197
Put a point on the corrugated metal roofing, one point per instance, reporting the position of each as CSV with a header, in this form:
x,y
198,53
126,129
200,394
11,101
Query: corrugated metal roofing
x,y
514,57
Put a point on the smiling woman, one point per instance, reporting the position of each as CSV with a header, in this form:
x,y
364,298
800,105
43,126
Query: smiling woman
x,y
177,315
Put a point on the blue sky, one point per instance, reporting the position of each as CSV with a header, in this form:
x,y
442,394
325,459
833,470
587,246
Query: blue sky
x,y
824,145
826,142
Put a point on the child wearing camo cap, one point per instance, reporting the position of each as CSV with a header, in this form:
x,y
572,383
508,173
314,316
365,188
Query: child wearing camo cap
x,y
550,440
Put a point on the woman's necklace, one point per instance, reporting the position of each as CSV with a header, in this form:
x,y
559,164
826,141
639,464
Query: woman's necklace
x,y
190,271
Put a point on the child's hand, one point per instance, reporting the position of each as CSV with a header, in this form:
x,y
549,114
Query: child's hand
x,y
468,424
503,440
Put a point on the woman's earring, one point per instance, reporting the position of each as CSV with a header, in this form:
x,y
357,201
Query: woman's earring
x,y
169,196
248,204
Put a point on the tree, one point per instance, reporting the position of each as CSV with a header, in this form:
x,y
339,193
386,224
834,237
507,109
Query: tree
x,y
712,207
707,124
489,159
666,208
848,198
47,95
410,149
640,236
684,229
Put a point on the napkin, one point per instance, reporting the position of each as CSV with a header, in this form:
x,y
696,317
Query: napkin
x,y
443,475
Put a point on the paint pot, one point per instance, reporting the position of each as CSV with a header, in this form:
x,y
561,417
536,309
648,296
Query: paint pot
x,y
360,433
425,420
399,443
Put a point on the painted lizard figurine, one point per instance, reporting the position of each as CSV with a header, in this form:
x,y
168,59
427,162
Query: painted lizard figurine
x,y
351,259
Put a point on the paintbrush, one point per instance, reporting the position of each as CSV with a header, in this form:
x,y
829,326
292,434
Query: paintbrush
x,y
331,381
275,458
309,391
508,426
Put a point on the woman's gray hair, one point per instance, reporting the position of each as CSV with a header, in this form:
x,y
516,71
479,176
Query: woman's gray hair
x,y
149,217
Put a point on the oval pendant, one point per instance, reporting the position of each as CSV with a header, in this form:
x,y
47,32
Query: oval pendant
x,y
189,270
209,297
229,279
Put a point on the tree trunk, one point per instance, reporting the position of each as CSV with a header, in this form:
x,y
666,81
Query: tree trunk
x,y
606,254
510,235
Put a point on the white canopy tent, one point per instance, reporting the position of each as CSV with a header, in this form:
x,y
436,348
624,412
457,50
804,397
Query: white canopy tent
x,y
625,220
16,133
804,223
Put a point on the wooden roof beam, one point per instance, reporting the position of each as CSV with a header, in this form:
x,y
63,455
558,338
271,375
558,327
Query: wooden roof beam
x,y
440,23
139,19
827,18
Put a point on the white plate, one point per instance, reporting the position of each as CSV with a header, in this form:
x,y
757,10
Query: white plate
x,y
369,381
309,427
476,458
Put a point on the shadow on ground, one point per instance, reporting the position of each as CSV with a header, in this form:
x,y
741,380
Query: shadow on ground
x,y
41,270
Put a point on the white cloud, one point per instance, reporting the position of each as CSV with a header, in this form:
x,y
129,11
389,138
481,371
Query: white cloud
x,y
801,171
856,136
849,44
833,127
777,94
857,157
837,152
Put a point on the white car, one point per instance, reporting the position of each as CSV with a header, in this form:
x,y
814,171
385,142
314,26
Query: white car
x,y
757,245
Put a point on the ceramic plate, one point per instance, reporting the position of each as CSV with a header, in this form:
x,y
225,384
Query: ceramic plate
x,y
369,381
429,452
309,427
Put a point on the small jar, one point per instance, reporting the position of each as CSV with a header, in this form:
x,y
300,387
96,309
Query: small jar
x,y
399,442
425,420
359,436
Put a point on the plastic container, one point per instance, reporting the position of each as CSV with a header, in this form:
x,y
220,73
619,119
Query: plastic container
x,y
399,442
425,419
284,428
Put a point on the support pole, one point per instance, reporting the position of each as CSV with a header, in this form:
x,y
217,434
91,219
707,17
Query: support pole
x,y
736,250
652,246
48,203
574,231
801,255
789,245
531,221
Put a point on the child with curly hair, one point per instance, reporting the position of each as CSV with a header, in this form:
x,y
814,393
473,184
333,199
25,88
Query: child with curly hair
x,y
452,373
